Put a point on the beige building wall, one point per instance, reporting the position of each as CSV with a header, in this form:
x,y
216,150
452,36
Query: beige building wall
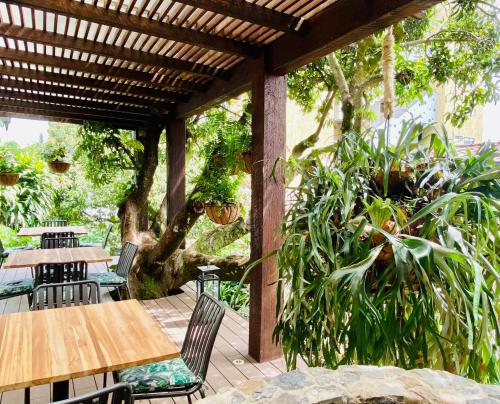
x,y
472,130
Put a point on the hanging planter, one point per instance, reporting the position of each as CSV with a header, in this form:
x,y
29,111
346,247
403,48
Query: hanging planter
x,y
58,166
225,214
9,179
247,161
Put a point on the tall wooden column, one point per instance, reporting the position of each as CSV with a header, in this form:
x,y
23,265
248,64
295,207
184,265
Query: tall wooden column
x,y
268,207
176,171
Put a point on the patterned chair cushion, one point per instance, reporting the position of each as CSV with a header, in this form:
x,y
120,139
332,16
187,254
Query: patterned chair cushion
x,y
13,288
107,278
158,376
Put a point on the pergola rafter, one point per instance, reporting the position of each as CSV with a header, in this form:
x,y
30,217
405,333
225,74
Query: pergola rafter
x,y
116,52
89,83
136,23
140,113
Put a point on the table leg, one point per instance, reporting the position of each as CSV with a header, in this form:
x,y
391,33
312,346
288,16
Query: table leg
x,y
60,390
27,395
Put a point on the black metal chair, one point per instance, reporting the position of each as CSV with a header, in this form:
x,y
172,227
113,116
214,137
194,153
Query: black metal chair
x,y
46,273
67,294
119,279
104,242
60,242
56,235
185,375
55,223
120,393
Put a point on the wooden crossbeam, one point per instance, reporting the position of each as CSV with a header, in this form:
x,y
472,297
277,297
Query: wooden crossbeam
x,y
253,13
117,52
30,113
113,18
77,112
343,23
83,93
75,102
128,89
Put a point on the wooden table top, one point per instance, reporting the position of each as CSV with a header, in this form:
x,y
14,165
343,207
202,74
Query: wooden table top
x,y
31,258
45,346
38,231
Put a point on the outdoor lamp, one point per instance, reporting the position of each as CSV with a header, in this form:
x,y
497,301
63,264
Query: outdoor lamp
x,y
208,281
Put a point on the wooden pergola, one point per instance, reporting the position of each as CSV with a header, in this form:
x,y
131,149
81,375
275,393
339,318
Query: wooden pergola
x,y
130,62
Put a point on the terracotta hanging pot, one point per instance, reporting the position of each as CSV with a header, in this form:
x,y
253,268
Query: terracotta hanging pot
x,y
225,214
9,179
247,161
58,166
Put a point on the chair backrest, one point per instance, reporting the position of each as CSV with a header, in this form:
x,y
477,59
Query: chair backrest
x,y
58,273
126,259
201,333
55,223
120,393
106,235
56,295
56,235
60,242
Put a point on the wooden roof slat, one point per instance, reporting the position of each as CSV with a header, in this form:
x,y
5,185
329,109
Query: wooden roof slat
x,y
253,13
86,82
132,22
117,52
83,93
76,102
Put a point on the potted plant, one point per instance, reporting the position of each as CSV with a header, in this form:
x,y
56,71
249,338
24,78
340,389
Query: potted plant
x,y
218,192
9,169
55,154
245,144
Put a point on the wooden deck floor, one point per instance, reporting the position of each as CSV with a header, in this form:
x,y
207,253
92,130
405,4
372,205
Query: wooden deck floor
x,y
229,365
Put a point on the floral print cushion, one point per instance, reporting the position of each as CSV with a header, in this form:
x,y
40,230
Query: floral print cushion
x,y
107,278
12,288
158,376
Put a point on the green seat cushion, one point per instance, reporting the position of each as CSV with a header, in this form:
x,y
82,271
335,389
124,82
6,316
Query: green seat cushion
x,y
107,278
13,288
158,376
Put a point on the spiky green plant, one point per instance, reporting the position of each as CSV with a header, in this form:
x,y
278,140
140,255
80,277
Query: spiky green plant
x,y
390,257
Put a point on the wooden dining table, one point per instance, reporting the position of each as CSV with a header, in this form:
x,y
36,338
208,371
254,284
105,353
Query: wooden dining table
x,y
38,231
31,258
55,345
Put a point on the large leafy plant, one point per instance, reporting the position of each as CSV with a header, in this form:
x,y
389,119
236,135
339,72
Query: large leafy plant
x,y
28,202
390,257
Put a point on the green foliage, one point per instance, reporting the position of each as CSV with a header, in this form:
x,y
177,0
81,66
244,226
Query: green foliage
x,y
456,44
54,150
225,138
235,296
28,202
390,257
105,152
8,163
9,238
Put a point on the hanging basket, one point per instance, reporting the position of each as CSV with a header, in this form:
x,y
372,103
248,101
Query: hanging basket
x,y
225,214
9,179
247,161
58,166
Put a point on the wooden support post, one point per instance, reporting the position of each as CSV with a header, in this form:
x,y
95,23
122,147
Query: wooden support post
x,y
176,175
268,207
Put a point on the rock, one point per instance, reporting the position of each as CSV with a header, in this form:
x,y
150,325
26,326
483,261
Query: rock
x,y
360,385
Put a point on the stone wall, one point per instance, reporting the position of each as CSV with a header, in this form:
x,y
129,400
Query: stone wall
x,y
360,384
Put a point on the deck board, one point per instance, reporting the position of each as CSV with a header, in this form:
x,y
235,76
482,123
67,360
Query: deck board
x,y
172,313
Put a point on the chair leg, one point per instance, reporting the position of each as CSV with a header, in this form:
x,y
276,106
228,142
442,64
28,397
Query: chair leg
x,y
189,399
202,392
